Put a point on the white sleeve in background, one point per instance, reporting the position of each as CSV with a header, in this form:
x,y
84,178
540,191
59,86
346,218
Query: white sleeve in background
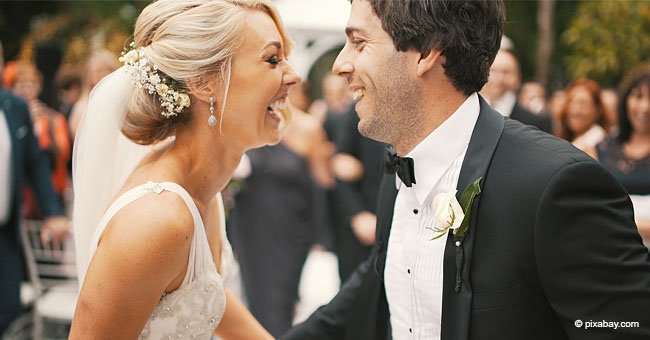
x,y
641,205
244,168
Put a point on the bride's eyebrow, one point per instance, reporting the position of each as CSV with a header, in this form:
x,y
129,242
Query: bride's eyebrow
x,y
273,43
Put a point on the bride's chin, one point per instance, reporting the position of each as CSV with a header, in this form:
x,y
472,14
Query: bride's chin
x,y
276,129
275,137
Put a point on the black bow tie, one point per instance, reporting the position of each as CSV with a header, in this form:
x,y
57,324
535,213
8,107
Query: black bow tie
x,y
402,166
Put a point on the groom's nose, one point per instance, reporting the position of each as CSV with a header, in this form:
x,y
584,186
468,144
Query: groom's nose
x,y
343,65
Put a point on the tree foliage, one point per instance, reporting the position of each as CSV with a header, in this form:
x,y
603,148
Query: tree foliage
x,y
607,38
77,27
522,28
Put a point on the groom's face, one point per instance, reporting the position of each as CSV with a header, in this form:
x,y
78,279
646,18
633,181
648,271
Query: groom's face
x,y
380,77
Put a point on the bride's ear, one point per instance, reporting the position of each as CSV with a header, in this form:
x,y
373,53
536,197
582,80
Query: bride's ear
x,y
203,91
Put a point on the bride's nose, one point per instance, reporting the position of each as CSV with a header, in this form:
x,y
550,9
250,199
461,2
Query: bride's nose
x,y
290,77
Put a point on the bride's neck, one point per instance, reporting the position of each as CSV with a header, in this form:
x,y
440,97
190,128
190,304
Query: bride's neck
x,y
204,165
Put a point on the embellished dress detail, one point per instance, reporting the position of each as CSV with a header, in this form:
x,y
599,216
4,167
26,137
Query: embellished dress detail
x,y
195,309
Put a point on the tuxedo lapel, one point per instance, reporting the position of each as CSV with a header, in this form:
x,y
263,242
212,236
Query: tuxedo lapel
x,y
456,305
385,208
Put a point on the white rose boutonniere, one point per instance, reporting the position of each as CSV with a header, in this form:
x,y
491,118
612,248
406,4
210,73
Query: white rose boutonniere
x,y
448,214
454,215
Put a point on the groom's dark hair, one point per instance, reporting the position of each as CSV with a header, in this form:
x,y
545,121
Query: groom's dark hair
x,y
467,32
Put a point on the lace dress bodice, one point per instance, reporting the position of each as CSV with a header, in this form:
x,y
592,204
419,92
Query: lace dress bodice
x,y
197,306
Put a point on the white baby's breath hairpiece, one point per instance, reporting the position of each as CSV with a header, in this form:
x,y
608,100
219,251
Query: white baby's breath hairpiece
x,y
146,77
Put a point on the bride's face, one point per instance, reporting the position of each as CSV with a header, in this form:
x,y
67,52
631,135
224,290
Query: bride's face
x,y
261,78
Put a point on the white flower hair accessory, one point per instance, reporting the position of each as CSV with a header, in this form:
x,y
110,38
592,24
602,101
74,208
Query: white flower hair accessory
x,y
146,77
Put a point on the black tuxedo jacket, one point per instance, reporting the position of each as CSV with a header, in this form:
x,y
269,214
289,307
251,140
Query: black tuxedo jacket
x,y
551,240
522,115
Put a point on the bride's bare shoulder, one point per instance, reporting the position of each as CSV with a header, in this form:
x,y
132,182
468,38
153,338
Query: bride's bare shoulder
x,y
142,253
156,228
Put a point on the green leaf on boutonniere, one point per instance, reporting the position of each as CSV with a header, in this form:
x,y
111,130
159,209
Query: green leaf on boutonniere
x,y
466,200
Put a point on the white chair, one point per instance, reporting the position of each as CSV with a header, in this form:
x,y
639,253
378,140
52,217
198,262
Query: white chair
x,y
52,274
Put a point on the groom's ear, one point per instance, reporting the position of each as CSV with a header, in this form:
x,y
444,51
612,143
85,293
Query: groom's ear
x,y
428,61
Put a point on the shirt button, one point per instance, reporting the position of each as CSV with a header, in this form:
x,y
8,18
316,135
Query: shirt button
x,y
410,330
415,211
408,270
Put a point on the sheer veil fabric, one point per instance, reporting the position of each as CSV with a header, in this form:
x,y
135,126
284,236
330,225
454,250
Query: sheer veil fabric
x,y
102,159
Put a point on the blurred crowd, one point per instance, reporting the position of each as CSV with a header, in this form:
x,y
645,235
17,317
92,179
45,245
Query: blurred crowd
x,y
316,190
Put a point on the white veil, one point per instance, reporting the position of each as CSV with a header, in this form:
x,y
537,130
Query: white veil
x,y
101,160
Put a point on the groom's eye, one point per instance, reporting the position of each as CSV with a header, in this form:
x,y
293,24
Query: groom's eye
x,y
358,43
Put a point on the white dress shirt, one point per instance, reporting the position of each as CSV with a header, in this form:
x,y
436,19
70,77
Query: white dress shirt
x,y
414,262
5,169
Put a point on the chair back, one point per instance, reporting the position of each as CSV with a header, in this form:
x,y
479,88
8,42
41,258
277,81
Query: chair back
x,y
48,265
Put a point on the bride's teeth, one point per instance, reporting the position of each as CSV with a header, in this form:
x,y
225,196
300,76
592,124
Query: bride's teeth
x,y
280,104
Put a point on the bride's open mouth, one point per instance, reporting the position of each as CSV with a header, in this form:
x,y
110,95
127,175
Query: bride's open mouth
x,y
277,110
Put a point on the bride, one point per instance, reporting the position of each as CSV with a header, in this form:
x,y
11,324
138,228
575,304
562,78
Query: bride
x,y
203,81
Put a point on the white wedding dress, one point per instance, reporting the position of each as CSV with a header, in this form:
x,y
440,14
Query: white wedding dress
x,y
194,309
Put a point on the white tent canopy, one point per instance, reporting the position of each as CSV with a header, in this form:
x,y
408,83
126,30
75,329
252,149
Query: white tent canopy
x,y
317,26
324,15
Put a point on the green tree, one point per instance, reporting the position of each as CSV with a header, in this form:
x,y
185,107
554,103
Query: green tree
x,y
607,38
523,28
73,25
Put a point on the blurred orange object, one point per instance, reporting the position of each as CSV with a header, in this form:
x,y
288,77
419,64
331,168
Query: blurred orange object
x,y
9,74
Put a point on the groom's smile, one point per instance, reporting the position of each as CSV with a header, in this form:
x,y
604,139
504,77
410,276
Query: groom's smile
x,y
379,75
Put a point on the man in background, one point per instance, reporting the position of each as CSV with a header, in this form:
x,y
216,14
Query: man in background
x,y
21,161
501,91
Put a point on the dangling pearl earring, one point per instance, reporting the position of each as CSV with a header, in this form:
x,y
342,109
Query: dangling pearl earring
x,y
212,121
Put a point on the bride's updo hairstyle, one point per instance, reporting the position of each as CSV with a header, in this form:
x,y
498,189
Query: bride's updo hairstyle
x,y
191,42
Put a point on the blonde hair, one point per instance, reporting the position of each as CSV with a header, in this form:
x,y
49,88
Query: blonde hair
x,y
190,41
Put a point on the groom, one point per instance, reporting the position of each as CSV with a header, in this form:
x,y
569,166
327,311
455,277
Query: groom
x,y
550,250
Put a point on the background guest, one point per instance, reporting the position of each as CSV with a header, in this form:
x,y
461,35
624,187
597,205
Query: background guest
x,y
335,103
355,197
278,214
582,119
627,156
609,97
532,97
68,88
501,91
555,106
99,64
21,160
50,128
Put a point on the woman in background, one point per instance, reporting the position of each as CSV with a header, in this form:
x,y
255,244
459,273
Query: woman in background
x,y
627,155
582,119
